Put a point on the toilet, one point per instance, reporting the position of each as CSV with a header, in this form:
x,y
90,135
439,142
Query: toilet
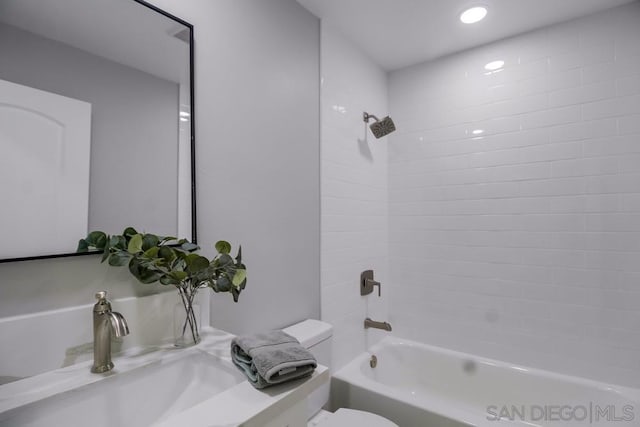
x,y
316,336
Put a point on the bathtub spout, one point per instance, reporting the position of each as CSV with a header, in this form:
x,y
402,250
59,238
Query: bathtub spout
x,y
368,323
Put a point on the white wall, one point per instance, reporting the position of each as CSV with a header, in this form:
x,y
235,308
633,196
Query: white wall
x,y
523,243
354,194
257,127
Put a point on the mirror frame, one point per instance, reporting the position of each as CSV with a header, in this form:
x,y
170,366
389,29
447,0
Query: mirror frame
x,y
193,239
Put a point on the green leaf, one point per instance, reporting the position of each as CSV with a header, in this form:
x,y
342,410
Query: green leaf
x,y
105,255
168,280
150,276
83,246
179,264
119,258
224,260
196,263
149,241
151,252
118,242
129,232
167,253
239,277
222,285
179,275
239,257
135,244
97,239
223,247
143,274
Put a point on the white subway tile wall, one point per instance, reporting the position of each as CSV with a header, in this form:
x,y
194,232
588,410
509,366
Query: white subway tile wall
x,y
354,188
515,199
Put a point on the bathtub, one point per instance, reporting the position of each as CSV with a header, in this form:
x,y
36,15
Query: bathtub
x,y
417,385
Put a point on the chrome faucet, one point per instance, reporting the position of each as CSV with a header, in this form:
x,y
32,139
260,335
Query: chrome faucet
x,y
105,323
368,323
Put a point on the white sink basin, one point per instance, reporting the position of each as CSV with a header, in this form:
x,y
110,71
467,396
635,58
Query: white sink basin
x,y
154,386
140,396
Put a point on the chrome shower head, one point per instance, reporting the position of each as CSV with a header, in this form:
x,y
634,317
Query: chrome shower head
x,y
379,128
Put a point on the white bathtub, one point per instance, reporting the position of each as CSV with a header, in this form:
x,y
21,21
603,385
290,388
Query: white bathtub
x,y
417,385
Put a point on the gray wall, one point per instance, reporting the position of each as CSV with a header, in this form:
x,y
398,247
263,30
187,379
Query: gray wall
x,y
258,160
133,114
258,155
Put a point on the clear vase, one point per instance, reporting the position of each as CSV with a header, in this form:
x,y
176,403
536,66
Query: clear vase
x,y
186,314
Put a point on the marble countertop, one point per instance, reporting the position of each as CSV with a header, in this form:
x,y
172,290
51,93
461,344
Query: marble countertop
x,y
240,404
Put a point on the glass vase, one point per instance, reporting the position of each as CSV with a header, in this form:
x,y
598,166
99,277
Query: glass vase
x,y
186,314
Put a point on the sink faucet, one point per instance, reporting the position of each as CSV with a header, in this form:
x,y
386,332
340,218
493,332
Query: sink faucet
x,y
105,323
368,323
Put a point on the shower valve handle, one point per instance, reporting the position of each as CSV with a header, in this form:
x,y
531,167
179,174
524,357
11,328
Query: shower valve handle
x,y
367,283
373,283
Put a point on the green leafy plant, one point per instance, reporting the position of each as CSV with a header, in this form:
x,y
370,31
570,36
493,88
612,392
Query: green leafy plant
x,y
170,261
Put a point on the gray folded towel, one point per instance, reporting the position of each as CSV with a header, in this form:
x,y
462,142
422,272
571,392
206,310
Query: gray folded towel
x,y
271,358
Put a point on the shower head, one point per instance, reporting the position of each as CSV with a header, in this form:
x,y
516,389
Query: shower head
x,y
379,128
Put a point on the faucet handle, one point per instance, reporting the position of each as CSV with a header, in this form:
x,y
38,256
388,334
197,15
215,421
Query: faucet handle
x,y
103,304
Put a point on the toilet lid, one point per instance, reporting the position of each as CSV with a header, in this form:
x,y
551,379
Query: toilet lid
x,y
350,418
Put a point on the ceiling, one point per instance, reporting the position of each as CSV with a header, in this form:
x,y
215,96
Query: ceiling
x,y
399,33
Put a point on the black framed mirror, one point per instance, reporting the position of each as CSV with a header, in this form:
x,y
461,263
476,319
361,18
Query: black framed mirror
x,y
96,123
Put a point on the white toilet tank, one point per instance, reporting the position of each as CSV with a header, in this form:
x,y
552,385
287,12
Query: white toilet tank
x,y
316,336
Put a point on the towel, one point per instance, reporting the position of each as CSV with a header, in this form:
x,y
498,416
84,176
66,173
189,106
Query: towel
x,y
271,358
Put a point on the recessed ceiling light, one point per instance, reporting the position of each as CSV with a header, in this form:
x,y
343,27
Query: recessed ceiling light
x,y
473,15
478,132
494,65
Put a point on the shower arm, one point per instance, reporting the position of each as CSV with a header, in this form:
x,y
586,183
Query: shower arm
x,y
366,116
